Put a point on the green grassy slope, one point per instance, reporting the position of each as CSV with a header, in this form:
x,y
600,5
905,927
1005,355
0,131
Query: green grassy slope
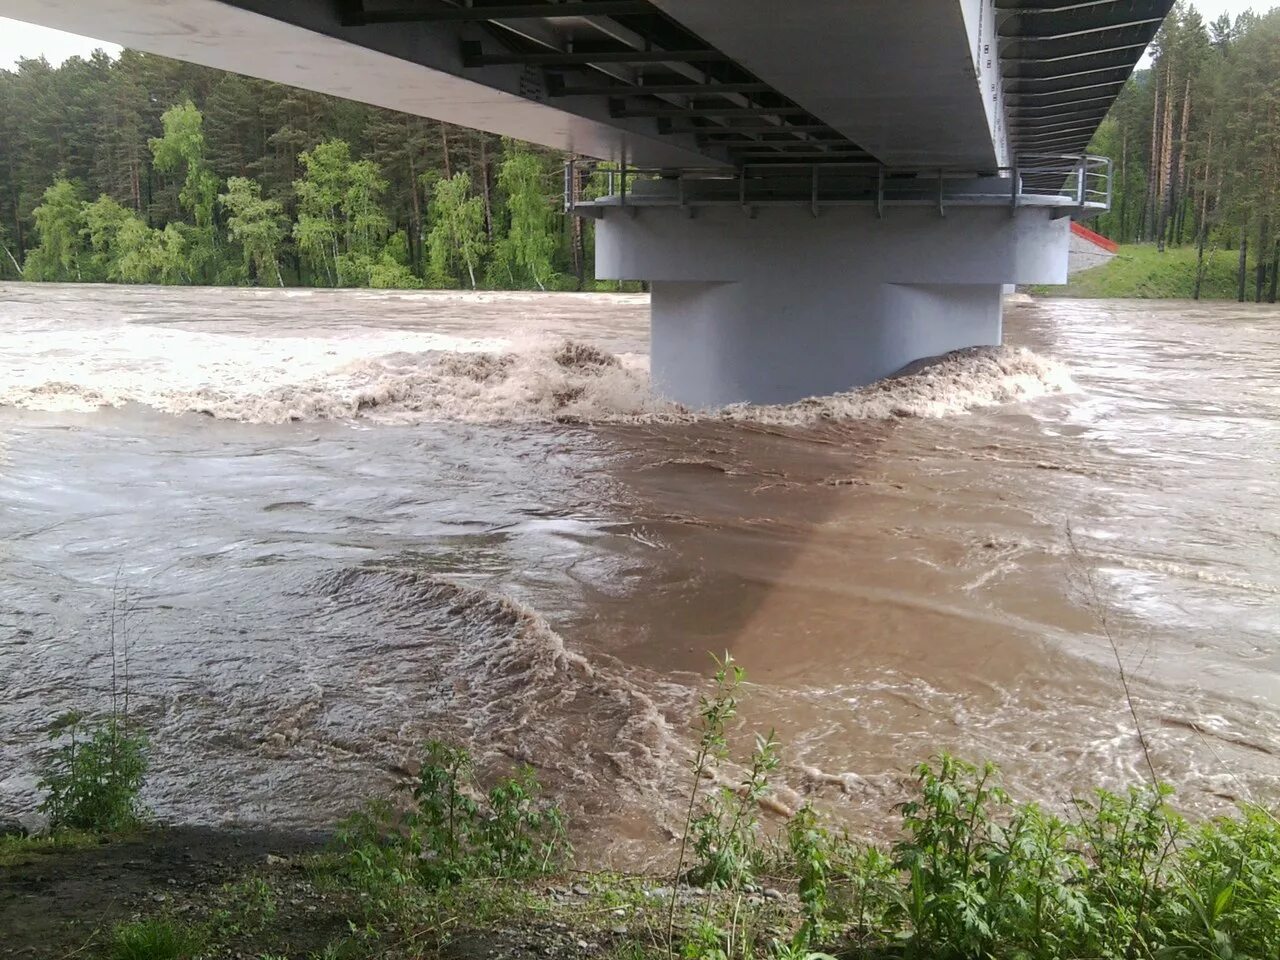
x,y
1139,271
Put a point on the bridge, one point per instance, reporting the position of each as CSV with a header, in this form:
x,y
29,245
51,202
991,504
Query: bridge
x,y
819,191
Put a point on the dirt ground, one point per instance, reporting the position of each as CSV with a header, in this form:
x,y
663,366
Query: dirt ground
x,y
61,903
260,894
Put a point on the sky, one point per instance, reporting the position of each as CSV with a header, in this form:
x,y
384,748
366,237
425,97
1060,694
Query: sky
x,y
19,39
24,40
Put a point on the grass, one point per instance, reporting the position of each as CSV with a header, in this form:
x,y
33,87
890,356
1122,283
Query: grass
x,y
155,939
18,851
1139,271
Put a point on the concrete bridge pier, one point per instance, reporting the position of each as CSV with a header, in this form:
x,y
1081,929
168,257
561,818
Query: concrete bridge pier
x,y
773,304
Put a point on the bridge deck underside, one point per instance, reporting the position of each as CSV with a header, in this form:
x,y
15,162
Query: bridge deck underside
x,y
1064,63
681,83
641,64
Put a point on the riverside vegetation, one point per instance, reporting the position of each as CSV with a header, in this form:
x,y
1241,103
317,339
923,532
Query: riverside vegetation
x,y
447,869
141,169
1140,271
1195,143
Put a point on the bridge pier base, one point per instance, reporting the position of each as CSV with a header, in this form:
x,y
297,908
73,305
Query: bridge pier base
x,y
776,304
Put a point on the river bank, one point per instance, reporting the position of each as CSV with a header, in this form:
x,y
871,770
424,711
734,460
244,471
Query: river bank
x,y
971,875
187,893
1139,271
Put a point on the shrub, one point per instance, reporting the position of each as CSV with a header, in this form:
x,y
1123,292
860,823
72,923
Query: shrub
x,y
810,847
522,836
94,775
726,839
444,834
1128,841
714,713
982,875
1227,900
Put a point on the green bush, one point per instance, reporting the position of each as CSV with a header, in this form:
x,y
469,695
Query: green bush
x,y
1227,890
976,876
93,777
810,846
726,834
978,873
446,831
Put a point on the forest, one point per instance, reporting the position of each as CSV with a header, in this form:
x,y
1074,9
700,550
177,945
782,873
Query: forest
x,y
141,169
1195,143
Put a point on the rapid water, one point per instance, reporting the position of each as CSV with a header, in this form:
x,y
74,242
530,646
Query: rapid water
x,y
343,522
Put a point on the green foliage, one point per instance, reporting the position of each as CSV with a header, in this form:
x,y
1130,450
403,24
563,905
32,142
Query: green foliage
x,y
21,850
810,846
714,713
522,836
1141,271
866,882
154,939
1194,140
341,227
457,238
258,225
976,876
1229,884
1128,841
181,150
320,194
973,875
530,241
250,907
726,840
59,222
104,221
446,831
174,145
391,271
147,255
725,834
92,779
365,224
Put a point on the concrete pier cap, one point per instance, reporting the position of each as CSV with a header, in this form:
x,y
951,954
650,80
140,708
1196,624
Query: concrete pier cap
x,y
771,303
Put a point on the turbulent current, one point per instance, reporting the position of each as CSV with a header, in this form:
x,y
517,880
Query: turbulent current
x,y
332,525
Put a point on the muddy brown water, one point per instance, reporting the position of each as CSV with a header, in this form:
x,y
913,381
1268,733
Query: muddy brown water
x,y
343,522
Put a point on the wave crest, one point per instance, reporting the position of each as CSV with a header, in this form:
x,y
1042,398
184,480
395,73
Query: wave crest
x,y
566,380
501,678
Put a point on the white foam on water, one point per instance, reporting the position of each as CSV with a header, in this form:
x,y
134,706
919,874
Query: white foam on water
x,y
945,386
253,378
402,377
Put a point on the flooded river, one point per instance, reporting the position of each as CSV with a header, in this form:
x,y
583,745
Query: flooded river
x,y
344,522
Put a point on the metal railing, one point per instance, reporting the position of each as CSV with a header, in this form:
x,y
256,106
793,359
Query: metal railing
x,y
1068,183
